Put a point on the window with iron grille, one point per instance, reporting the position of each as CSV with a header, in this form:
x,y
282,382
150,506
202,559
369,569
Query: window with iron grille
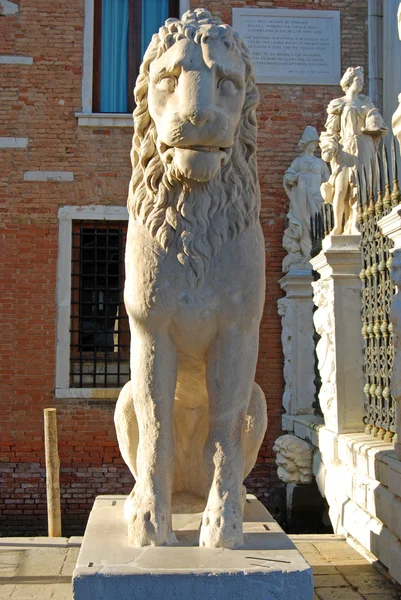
x,y
99,353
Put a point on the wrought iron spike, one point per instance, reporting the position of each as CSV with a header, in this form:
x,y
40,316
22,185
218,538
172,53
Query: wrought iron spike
x,y
324,215
394,158
370,182
364,190
379,182
385,165
379,186
358,189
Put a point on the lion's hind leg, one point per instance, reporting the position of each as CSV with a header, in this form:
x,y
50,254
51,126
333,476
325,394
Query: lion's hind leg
x,y
128,436
255,428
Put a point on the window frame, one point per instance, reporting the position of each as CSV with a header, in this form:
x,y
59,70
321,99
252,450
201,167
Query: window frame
x,y
66,216
87,116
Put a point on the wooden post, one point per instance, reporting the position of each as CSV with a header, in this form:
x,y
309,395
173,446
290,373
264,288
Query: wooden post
x,y
52,473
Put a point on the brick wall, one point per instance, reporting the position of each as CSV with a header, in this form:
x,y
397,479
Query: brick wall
x,y
38,102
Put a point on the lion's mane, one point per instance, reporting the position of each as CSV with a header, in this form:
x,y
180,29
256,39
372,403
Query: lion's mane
x,y
200,216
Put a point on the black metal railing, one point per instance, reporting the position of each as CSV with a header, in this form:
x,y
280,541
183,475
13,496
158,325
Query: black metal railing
x,y
321,225
378,193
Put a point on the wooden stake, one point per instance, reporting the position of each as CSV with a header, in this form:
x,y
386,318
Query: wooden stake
x,y
52,473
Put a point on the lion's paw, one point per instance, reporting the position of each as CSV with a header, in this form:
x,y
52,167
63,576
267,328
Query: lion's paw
x,y
222,527
147,525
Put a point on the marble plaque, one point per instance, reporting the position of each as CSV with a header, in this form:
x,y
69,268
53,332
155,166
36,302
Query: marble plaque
x,y
292,46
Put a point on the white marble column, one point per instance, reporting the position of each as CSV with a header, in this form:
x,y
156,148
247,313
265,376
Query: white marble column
x,y
296,311
337,295
390,226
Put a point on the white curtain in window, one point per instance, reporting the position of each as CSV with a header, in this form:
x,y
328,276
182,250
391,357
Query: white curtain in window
x,y
154,13
114,56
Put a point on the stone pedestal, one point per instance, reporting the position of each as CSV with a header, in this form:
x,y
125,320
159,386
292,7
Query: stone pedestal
x,y
269,567
337,294
296,311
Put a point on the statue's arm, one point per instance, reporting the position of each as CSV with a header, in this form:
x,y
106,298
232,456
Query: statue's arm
x,y
325,172
291,175
374,122
329,139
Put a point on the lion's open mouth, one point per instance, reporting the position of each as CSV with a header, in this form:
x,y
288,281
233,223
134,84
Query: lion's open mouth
x,y
165,147
202,148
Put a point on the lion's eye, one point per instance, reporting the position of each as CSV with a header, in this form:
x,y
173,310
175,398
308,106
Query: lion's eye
x,y
168,84
227,86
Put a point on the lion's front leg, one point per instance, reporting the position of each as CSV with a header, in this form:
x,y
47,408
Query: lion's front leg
x,y
153,375
230,375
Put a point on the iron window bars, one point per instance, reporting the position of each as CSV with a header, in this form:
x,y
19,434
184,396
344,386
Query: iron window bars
x,y
99,330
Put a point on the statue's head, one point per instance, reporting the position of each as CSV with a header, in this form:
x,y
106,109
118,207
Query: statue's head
x,y
353,77
293,459
196,82
196,93
309,139
195,135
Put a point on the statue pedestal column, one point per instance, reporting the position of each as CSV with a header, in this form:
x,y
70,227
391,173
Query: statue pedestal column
x,y
269,567
337,294
296,311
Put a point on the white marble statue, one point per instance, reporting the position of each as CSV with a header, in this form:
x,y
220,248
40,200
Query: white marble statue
x,y
395,318
293,459
396,120
323,319
354,127
302,182
192,418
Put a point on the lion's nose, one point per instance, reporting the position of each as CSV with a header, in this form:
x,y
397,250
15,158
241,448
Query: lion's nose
x,y
199,116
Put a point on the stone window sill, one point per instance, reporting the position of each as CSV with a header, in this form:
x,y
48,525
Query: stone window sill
x,y
87,393
105,119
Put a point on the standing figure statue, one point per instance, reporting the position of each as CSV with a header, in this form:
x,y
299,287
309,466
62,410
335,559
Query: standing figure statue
x,y
192,418
302,182
396,120
354,127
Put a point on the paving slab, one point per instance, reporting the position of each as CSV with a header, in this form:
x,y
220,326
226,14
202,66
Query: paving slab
x,y
337,594
329,581
364,581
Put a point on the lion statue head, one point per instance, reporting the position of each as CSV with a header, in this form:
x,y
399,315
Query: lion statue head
x,y
194,183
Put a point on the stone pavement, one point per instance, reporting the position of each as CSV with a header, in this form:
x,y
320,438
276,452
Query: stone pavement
x,y
41,569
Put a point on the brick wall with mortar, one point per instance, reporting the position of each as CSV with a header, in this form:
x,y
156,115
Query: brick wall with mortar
x,y
38,102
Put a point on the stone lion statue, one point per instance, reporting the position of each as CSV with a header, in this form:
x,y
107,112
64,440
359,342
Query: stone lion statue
x,y
192,419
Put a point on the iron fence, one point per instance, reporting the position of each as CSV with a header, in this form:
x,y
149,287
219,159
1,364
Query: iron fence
x,y
378,192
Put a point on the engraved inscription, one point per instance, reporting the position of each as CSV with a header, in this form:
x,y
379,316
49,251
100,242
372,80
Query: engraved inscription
x,y
291,48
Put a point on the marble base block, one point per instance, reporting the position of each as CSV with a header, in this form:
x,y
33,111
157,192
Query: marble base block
x,y
269,567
